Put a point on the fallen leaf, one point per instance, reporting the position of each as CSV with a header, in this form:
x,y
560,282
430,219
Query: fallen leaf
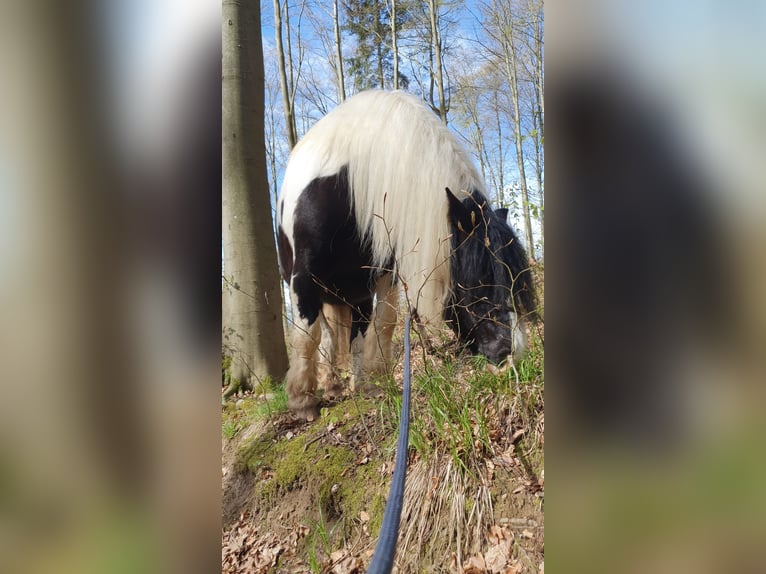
x,y
518,434
344,563
475,565
496,558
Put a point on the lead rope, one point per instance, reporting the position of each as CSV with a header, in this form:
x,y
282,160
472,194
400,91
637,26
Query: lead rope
x,y
385,550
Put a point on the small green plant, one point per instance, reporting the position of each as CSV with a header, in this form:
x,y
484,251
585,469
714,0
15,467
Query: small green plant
x,y
273,403
313,560
319,534
230,428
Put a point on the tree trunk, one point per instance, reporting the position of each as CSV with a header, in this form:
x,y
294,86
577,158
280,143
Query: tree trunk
x,y
287,103
511,69
539,174
436,41
252,313
540,139
394,47
338,52
500,154
539,79
381,78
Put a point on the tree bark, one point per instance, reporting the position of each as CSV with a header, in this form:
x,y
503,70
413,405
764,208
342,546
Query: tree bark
x,y
539,79
381,78
287,103
394,47
436,41
540,115
338,52
252,313
539,175
500,154
512,71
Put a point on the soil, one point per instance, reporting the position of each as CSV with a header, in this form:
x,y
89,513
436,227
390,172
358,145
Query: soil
x,y
309,497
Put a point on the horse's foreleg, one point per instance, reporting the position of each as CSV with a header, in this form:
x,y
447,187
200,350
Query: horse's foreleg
x,y
360,320
518,328
378,349
301,379
331,349
339,318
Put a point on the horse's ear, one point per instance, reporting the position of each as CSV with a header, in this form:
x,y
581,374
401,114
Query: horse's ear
x,y
502,213
459,214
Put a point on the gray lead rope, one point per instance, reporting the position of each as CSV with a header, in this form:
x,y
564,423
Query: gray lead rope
x,y
385,550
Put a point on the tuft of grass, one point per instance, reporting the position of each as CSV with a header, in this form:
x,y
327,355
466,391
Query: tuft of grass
x,y
319,536
275,402
238,416
230,428
457,404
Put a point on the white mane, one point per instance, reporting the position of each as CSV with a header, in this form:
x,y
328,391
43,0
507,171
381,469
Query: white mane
x,y
400,157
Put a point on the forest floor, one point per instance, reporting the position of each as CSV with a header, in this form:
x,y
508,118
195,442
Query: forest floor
x,y
309,497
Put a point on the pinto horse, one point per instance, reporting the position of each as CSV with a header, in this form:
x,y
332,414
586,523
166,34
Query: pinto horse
x,y
380,193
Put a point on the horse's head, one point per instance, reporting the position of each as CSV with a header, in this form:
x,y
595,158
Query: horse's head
x,y
491,281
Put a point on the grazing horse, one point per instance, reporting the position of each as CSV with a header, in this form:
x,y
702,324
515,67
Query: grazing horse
x,y
379,192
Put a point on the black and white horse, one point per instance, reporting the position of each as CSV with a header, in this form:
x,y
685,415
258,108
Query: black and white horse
x,y
380,188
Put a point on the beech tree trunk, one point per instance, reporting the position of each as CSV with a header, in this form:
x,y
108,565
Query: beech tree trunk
x,y
287,101
394,47
338,52
439,72
513,79
252,311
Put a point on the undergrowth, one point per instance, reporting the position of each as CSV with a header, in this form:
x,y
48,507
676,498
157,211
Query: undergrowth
x,y
464,414
238,415
457,404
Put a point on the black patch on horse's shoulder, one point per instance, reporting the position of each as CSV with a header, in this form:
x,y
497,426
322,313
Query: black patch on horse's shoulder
x,y
333,263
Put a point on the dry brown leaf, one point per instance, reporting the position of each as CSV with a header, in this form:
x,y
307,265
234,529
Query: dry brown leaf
x,y
505,461
475,565
496,558
344,563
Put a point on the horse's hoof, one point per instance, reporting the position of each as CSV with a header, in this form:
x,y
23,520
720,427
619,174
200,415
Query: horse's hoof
x,y
333,392
305,407
308,414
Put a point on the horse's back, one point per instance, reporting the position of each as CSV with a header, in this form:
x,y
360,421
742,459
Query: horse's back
x,y
399,158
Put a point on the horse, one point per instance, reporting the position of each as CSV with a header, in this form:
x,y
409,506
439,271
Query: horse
x,y
378,195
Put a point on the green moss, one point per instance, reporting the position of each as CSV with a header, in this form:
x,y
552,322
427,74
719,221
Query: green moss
x,y
307,461
256,454
377,507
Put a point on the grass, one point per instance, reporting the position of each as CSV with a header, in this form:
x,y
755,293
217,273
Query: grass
x,y
463,415
271,401
456,405
319,534
230,428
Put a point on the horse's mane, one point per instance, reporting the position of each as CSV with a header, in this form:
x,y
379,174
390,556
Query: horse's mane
x,y
400,159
